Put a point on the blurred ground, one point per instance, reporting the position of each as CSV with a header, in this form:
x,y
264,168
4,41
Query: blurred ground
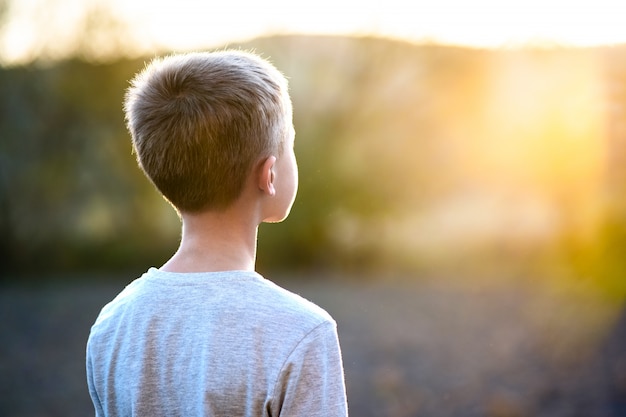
x,y
429,348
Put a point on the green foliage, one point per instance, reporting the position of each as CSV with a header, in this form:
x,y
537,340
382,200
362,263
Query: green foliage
x,y
371,135
69,181
598,261
401,161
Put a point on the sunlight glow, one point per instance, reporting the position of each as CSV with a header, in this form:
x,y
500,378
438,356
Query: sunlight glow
x,y
193,24
482,23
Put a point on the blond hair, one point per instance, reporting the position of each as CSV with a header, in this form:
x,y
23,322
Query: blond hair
x,y
200,121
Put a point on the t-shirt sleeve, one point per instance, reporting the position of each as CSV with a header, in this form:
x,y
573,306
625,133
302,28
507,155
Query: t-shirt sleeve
x,y
311,382
92,386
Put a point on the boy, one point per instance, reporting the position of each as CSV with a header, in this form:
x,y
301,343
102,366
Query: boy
x,y
205,335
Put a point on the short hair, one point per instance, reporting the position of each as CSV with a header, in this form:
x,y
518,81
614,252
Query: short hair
x,y
200,121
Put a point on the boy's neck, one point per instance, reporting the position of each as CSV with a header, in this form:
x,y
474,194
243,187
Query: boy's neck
x,y
215,241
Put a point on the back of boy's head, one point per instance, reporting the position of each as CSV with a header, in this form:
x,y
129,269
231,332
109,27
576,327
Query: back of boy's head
x,y
200,121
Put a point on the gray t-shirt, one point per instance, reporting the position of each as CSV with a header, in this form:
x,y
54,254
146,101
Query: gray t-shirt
x,y
214,344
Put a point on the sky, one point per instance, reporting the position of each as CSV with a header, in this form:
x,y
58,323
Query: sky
x,y
53,26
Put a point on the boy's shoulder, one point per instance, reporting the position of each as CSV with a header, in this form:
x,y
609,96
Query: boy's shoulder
x,y
244,292
292,303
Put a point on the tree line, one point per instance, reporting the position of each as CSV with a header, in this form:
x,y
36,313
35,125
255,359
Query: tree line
x,y
410,156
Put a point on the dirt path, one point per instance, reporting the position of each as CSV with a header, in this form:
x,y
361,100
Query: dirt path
x,y
427,349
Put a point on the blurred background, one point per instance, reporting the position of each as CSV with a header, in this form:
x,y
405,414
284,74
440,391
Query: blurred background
x,y
462,201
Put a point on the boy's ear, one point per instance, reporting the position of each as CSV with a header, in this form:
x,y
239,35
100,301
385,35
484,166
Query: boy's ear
x,y
266,177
